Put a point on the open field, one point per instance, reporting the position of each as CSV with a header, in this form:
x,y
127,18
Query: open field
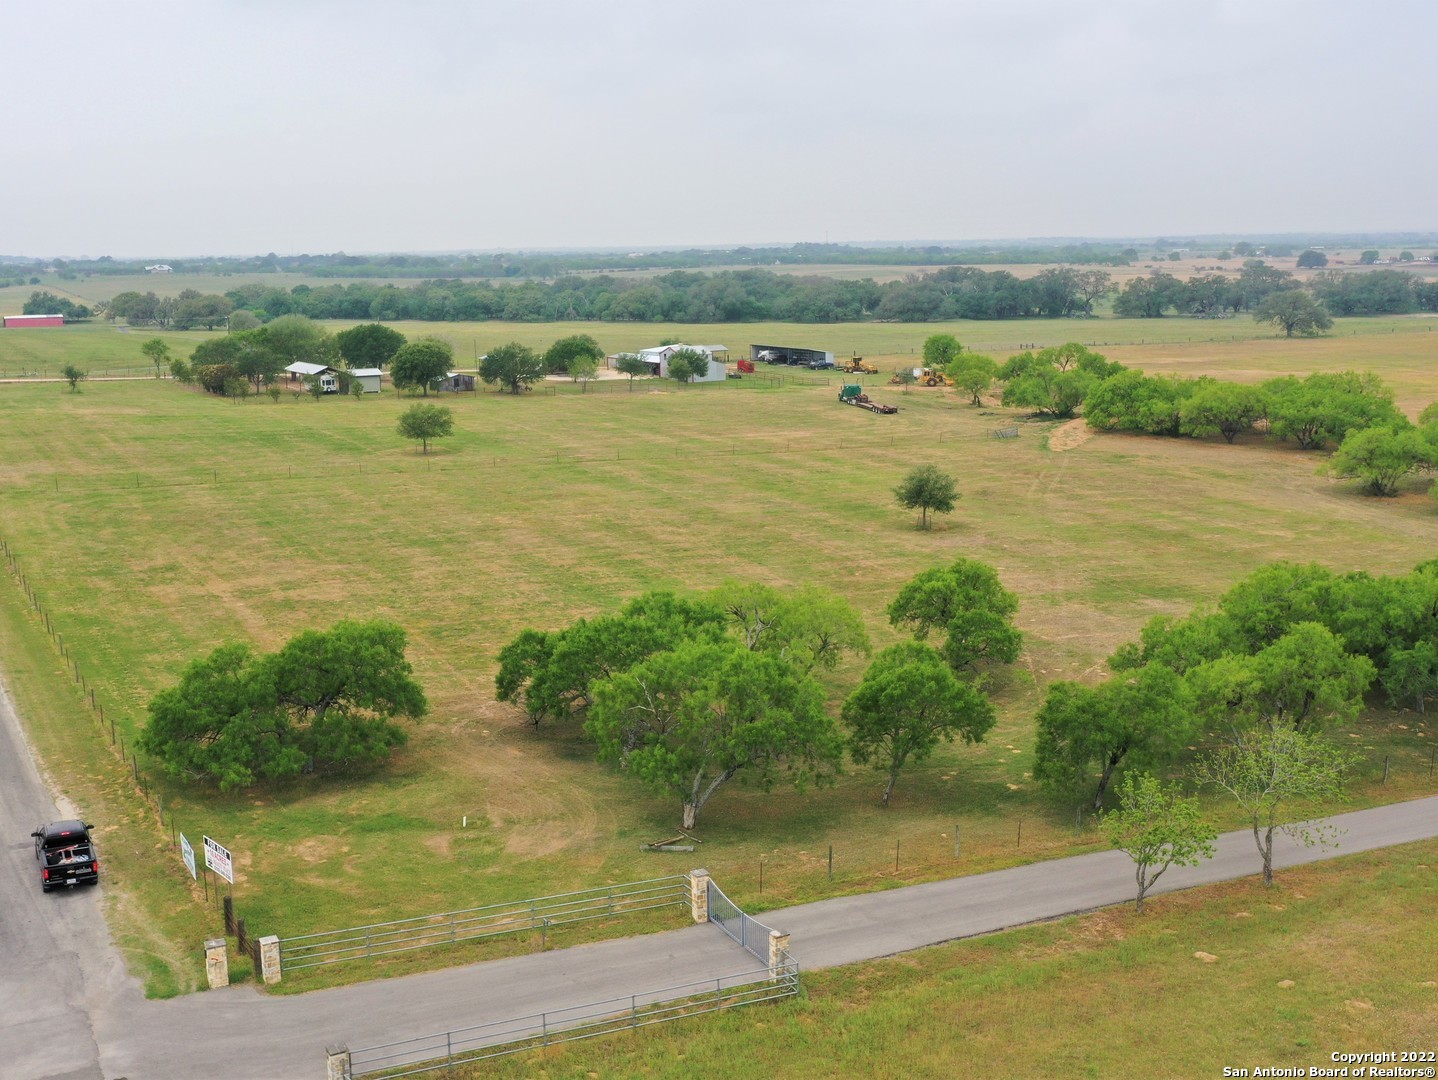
x,y
157,522
1336,958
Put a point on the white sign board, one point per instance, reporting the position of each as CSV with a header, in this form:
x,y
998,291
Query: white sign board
x,y
188,854
217,859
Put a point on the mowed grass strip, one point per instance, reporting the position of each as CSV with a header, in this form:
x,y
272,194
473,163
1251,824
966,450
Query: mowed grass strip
x,y
1336,957
157,523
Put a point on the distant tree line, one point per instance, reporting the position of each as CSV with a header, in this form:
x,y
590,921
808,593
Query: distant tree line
x,y
686,693
960,292
183,312
681,296
554,264
1377,292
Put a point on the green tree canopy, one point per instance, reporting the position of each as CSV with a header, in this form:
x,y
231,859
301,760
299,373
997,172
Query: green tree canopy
x,y
687,721
420,364
1222,408
808,627
250,354
630,364
47,303
687,364
1304,680
369,345
557,357
297,337
1381,457
1312,260
1133,401
973,373
1266,771
1149,297
940,350
1143,717
425,422
554,673
158,353
513,366
966,603
582,369
1157,828
1325,406
1294,310
927,488
1054,381
327,700
906,704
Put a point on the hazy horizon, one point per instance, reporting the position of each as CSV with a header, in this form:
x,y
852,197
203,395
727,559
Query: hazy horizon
x,y
318,126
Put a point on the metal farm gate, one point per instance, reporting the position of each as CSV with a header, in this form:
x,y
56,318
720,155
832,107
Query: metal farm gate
x,y
748,932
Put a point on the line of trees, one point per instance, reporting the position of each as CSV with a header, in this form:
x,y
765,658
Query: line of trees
x,y
553,264
682,296
47,303
1284,661
183,312
1350,411
688,693
1332,292
954,292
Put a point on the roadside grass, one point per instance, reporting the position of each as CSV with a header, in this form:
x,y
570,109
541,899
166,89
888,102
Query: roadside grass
x,y
1105,994
156,523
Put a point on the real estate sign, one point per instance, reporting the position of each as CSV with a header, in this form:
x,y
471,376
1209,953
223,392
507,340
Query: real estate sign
x,y
188,854
218,859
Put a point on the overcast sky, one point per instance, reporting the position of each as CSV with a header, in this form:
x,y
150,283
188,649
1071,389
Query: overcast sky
x,y
188,128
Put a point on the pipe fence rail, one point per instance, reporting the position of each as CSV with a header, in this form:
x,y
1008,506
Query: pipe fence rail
x,y
750,933
502,1038
446,928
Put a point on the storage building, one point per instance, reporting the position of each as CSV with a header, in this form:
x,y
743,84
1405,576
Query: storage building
x,y
20,322
658,360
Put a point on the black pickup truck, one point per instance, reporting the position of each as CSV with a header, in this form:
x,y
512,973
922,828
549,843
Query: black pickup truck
x,y
67,855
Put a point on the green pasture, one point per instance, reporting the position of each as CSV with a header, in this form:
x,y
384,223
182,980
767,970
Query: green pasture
x,y
156,522
1399,346
1336,958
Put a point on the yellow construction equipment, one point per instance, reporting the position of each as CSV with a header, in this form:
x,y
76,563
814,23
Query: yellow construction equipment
x,y
856,366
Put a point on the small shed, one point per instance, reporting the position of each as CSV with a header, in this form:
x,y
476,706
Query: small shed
x,y
301,371
367,377
21,322
457,380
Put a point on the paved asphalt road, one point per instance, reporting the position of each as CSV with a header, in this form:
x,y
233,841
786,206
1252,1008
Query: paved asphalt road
x,y
68,1010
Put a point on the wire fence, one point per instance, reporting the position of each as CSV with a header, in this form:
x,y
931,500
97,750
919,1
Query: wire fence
x,y
143,784
120,372
502,1038
470,924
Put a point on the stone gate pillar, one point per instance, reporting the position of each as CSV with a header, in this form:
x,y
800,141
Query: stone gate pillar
x,y
699,895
